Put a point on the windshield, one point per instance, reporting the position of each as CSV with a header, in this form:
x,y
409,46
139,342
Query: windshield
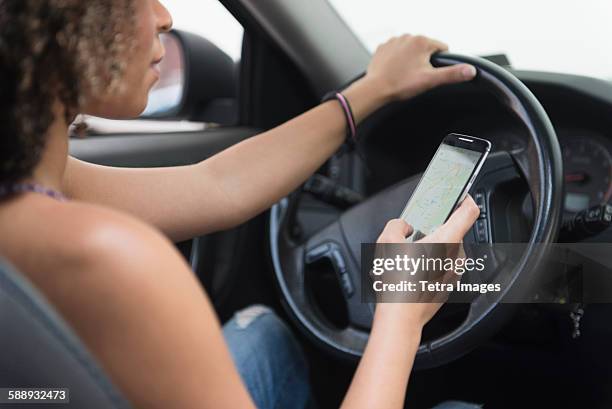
x,y
573,37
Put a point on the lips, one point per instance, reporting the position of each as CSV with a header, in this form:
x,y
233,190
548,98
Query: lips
x,y
155,65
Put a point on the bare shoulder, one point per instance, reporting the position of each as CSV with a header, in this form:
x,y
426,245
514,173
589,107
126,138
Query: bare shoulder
x,y
111,254
102,269
105,240
81,244
91,261
112,249
133,300
100,229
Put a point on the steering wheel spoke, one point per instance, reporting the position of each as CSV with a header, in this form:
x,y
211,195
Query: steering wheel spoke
x,y
329,251
500,192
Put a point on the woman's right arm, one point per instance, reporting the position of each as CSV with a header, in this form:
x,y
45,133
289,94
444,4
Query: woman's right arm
x,y
382,375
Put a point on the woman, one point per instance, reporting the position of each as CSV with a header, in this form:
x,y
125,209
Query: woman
x,y
98,243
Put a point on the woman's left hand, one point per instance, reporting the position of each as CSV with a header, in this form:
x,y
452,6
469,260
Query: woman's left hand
x,y
401,67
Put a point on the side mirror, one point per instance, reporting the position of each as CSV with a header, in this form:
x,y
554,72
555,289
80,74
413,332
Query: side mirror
x,y
198,82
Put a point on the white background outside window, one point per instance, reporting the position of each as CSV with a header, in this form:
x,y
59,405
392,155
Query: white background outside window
x,y
566,36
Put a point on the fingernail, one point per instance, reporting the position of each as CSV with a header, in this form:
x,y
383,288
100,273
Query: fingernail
x,y
468,72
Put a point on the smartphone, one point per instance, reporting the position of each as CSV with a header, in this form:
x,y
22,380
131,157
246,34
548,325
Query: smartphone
x,y
445,183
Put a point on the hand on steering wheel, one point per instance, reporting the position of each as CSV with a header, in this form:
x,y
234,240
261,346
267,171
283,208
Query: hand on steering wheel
x,y
402,66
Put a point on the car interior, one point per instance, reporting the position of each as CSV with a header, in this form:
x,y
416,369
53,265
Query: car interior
x,y
551,159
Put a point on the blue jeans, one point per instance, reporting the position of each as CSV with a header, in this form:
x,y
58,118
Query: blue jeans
x,y
269,359
271,362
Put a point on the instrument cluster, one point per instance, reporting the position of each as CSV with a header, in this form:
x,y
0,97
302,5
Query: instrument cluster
x,y
587,162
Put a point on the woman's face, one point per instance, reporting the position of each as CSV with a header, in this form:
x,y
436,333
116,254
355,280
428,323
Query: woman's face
x,y
141,73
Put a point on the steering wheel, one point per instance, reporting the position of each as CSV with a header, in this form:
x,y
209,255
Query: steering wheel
x,y
339,243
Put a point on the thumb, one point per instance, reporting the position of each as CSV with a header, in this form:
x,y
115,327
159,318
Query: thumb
x,y
452,74
461,221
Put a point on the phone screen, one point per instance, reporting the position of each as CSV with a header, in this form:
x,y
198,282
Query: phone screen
x,y
440,188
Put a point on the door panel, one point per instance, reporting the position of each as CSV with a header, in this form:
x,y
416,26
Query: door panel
x,y
152,150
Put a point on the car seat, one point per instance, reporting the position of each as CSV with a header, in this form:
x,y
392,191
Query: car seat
x,y
39,350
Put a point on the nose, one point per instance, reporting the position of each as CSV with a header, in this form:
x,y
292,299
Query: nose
x,y
164,19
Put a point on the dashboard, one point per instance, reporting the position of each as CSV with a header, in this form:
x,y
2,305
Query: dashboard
x,y
587,162
400,140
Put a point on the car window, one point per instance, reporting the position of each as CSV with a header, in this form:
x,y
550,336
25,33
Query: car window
x,y
207,18
572,37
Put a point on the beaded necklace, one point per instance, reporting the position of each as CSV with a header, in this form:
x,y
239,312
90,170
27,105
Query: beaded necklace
x,y
9,189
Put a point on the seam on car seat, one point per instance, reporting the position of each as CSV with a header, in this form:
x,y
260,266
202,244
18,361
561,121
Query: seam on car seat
x,y
30,299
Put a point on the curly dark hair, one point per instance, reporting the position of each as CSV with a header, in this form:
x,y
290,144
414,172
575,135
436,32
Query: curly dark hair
x,y
54,50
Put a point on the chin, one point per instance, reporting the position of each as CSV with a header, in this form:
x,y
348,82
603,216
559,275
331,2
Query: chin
x,y
134,109
120,107
139,111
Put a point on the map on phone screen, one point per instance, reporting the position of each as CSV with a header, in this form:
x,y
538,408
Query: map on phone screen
x,y
439,189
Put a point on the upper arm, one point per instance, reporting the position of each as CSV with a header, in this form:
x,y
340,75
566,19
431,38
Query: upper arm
x,y
182,201
140,310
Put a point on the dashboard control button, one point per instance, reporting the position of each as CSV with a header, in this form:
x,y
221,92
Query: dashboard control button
x,y
482,234
479,199
586,223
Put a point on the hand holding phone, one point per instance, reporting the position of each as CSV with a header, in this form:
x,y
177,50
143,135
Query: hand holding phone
x,y
445,183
